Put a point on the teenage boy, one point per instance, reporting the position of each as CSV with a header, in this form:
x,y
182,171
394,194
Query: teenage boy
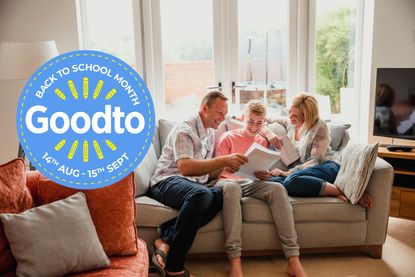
x,y
274,194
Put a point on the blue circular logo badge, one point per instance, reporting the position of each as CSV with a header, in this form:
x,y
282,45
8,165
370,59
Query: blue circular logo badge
x,y
85,119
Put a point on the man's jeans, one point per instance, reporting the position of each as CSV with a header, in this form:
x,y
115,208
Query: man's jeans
x,y
311,181
197,205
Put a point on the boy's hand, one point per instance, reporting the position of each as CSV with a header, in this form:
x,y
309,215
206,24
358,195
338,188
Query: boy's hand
x,y
279,172
276,141
263,174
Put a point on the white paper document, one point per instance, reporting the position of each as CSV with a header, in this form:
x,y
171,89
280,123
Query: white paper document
x,y
259,158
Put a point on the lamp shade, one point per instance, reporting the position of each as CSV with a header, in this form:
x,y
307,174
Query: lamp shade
x,y
19,60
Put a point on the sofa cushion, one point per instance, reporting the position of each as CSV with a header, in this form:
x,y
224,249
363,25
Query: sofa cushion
x,y
277,128
55,239
156,140
356,166
337,132
164,129
15,197
320,209
112,210
153,214
123,266
144,171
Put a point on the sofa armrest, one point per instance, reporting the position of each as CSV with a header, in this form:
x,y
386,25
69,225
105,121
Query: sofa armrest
x,y
380,188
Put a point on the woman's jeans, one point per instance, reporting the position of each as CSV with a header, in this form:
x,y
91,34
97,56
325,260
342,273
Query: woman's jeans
x,y
311,181
197,205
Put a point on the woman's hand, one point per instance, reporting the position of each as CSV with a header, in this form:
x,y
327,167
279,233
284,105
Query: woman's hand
x,y
279,172
263,174
276,141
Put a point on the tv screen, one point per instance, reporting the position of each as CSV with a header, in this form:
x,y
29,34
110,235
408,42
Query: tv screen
x,y
395,103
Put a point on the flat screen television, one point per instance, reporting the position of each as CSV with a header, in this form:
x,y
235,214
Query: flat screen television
x,y
395,103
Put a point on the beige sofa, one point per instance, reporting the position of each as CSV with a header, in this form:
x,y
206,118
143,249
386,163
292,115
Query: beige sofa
x,y
323,224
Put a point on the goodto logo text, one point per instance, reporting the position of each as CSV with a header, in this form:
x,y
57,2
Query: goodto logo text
x,y
85,119
109,119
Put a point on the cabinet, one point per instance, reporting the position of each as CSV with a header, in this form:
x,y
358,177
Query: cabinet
x,y
403,191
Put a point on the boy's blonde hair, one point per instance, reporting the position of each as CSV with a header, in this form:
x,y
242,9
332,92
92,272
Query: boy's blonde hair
x,y
307,103
257,107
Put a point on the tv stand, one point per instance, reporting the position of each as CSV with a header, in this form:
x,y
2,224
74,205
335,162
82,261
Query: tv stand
x,y
403,191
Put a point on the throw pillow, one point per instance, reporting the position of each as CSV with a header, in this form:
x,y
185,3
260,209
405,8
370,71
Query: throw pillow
x,y
15,197
356,166
144,171
112,210
55,239
337,132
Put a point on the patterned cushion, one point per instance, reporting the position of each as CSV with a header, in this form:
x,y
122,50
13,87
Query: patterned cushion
x,y
356,166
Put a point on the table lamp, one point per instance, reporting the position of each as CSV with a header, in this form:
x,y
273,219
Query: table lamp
x,y
18,61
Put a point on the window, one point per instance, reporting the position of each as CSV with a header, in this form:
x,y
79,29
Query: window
x,y
108,29
335,52
187,51
204,43
263,56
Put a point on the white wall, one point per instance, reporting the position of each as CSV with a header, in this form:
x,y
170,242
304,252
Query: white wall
x,y
393,46
30,20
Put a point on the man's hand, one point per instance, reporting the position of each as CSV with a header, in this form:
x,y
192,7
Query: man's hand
x,y
234,161
276,141
279,172
263,174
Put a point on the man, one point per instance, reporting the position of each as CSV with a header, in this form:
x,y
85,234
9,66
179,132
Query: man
x,y
180,181
238,141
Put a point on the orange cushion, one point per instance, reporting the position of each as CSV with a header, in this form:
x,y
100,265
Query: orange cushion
x,y
125,266
112,210
15,197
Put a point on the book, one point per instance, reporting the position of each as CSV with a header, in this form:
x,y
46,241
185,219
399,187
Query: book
x,y
261,158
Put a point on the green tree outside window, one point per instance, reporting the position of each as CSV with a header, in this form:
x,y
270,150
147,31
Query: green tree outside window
x,y
335,37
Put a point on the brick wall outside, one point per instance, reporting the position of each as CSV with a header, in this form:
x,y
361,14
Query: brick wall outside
x,y
191,78
184,78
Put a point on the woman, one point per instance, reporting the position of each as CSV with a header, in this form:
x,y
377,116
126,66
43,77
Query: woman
x,y
314,173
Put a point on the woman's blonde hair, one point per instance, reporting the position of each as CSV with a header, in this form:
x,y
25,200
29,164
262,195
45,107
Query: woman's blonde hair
x,y
308,105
